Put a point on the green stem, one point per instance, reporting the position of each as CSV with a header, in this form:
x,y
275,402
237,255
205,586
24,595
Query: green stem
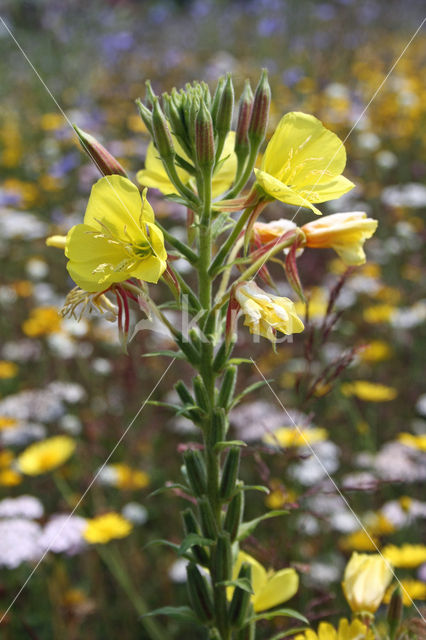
x,y
113,561
177,244
229,243
241,183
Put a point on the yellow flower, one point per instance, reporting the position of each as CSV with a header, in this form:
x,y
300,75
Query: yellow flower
x,y
295,437
128,478
7,423
369,391
359,540
154,175
270,587
365,581
266,314
268,231
379,313
107,527
118,240
343,232
8,369
376,351
8,476
318,303
44,456
410,590
408,556
410,440
42,321
303,163
354,630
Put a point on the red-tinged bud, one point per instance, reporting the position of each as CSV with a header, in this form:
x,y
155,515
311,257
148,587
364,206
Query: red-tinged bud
x,y
216,98
170,278
244,114
292,271
226,107
162,136
260,112
231,319
105,162
204,139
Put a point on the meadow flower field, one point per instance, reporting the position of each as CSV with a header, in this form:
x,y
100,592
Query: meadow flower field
x,y
90,452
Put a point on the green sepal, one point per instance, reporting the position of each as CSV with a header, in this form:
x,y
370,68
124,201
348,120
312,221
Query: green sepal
x,y
246,528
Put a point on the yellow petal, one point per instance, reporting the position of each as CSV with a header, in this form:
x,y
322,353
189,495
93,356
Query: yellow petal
x,y
154,175
116,202
225,175
280,191
279,588
329,190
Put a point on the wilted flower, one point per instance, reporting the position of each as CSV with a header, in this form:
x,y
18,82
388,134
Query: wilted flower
x,y
303,163
107,527
365,581
343,232
266,314
354,630
118,239
44,456
270,588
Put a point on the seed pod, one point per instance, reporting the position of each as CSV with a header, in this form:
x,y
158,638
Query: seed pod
x,y
234,515
190,525
260,113
222,558
162,136
219,425
240,603
230,473
196,471
199,593
104,161
228,386
184,393
200,392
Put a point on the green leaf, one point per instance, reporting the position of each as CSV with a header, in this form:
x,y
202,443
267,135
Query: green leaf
x,y
158,542
248,390
242,583
289,632
191,540
247,527
167,352
220,446
238,361
175,198
256,487
170,487
177,613
270,615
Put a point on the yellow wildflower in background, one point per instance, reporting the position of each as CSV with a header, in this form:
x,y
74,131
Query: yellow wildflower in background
x,y
343,232
410,590
296,437
379,313
408,556
303,162
410,440
155,176
376,351
42,321
317,305
128,478
118,239
107,527
354,630
7,423
359,540
8,369
44,456
265,314
365,581
369,391
9,477
270,588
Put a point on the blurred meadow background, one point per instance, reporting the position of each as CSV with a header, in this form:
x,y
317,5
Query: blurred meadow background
x,y
353,381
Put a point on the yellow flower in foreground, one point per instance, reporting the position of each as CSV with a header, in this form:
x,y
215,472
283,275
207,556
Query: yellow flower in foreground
x,y
268,231
270,588
44,456
369,391
365,581
410,440
106,527
408,556
343,232
303,163
410,590
118,240
266,314
354,630
296,437
42,321
154,175
8,369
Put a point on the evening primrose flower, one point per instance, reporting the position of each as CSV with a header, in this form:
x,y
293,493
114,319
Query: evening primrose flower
x,y
408,556
354,630
270,588
154,175
303,163
365,581
343,232
118,239
266,314
107,527
44,456
369,391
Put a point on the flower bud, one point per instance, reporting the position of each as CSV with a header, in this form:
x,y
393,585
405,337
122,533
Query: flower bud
x,y
204,139
162,136
260,112
244,113
225,108
234,515
191,526
230,473
223,558
199,593
228,386
150,96
365,581
240,602
146,116
216,99
105,162
394,614
196,471
56,241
